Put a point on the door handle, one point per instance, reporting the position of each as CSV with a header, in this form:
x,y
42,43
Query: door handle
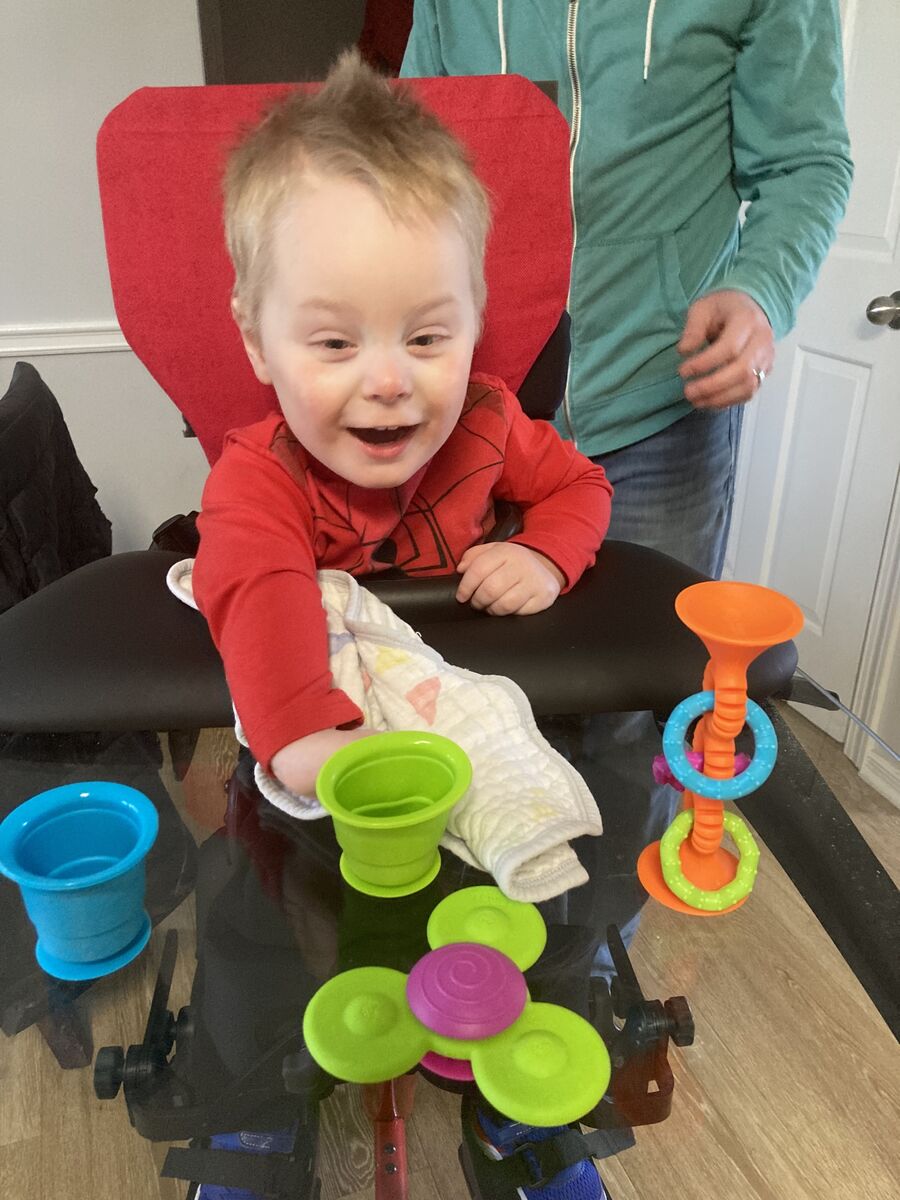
x,y
885,310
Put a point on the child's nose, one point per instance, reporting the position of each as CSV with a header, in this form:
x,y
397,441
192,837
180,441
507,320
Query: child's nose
x,y
387,378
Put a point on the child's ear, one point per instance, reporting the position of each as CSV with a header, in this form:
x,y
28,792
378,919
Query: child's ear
x,y
251,344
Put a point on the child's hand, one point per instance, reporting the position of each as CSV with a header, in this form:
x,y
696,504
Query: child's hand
x,y
505,578
297,764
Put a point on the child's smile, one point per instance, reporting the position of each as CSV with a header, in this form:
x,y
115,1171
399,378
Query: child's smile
x,y
385,441
367,329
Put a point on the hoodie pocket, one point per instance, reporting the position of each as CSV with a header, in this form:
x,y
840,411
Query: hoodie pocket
x,y
628,312
675,297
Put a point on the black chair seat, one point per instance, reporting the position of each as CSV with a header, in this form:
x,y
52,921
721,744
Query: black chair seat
x,y
109,648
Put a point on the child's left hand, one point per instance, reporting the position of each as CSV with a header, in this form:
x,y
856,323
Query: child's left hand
x,y
504,578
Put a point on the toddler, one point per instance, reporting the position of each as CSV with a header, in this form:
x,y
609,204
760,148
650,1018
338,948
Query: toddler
x,y
357,229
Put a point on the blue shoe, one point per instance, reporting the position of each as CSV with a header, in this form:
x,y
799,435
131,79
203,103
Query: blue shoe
x,y
279,1142
499,1138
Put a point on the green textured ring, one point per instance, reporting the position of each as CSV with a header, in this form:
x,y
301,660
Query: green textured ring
x,y
732,893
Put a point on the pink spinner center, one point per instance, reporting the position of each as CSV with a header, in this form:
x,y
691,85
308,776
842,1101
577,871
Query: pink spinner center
x,y
466,990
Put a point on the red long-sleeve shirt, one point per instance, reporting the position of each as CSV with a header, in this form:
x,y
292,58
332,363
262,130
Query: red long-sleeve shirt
x,y
273,515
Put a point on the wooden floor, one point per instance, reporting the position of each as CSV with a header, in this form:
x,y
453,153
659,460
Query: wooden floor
x,y
791,1090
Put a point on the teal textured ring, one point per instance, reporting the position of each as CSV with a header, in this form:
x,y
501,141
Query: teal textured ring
x,y
759,770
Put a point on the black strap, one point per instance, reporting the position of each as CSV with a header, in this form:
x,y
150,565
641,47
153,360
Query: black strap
x,y
536,1163
276,1175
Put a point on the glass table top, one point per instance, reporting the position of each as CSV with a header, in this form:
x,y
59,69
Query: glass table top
x,y
790,1088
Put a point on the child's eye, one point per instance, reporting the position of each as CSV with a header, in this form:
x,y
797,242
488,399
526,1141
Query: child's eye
x,y
426,339
335,344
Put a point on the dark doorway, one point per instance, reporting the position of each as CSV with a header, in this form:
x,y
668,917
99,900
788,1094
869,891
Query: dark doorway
x,y
291,41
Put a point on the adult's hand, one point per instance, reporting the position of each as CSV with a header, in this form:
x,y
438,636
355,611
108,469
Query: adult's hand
x,y
727,339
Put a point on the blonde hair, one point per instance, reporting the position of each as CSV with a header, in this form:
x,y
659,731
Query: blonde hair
x,y
357,126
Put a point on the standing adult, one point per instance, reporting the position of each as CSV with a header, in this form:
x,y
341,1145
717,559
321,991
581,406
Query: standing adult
x,y
679,113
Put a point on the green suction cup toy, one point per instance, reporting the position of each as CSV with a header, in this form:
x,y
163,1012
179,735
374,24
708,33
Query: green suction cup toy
x,y
549,1068
464,1012
485,915
358,1026
390,797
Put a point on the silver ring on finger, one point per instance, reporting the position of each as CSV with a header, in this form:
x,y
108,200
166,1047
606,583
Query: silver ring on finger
x,y
760,377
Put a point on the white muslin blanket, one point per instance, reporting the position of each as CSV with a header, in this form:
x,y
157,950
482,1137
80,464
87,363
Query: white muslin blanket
x,y
525,802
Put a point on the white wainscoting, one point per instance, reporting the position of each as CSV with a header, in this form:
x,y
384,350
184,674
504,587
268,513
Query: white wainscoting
x,y
25,341
882,773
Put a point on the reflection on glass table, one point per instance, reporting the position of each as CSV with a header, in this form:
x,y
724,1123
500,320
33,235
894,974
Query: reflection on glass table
x,y
789,1084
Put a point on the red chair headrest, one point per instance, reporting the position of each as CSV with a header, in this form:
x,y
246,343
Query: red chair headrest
x,y
161,154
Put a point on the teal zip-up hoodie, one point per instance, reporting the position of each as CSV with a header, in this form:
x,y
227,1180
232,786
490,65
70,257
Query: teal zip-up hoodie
x,y
679,111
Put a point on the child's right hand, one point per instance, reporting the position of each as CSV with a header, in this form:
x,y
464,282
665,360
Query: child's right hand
x,y
297,764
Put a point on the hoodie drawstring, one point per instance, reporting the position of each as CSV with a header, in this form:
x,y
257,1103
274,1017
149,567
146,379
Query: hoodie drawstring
x,y
648,41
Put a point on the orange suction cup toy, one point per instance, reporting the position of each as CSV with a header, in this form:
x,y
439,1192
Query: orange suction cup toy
x,y
689,869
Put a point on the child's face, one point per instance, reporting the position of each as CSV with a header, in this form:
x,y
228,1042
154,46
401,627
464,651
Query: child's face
x,y
366,332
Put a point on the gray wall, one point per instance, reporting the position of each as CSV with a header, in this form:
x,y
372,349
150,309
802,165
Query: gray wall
x,y
64,67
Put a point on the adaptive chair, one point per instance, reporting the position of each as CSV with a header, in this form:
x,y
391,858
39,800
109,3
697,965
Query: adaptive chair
x,y
109,648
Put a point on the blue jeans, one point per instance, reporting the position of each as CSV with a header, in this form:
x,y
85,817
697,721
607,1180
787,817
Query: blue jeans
x,y
673,492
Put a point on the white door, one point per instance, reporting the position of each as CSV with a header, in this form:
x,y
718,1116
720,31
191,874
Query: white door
x,y
821,444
